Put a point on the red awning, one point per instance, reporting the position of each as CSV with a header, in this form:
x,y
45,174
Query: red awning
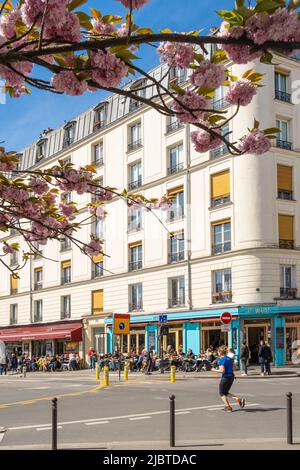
x,y
68,331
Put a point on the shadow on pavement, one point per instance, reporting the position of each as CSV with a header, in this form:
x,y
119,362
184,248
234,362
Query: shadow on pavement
x,y
257,410
200,445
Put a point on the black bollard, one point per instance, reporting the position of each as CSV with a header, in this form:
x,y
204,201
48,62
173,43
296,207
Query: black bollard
x,y
289,417
172,421
54,424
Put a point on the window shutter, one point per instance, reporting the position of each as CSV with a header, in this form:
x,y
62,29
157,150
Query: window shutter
x,y
97,302
133,245
98,258
285,177
173,191
220,222
14,283
286,227
66,264
220,184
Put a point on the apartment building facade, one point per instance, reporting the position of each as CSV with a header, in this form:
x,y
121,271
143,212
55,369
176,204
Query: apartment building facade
x,y
229,243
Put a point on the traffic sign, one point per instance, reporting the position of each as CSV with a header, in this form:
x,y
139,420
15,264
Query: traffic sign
x,y
226,318
163,318
121,324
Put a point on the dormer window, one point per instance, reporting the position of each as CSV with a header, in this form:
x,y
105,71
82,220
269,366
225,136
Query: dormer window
x,y
100,116
177,75
69,135
138,88
41,149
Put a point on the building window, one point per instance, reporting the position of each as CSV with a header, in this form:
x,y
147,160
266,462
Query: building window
x,y
97,190
287,282
38,311
283,139
98,154
14,258
134,137
177,292
176,251
177,75
286,231
38,278
97,302
139,90
100,116
176,159
69,134
67,197
176,211
40,150
221,237
222,149
38,250
135,176
285,182
65,244
222,286
173,124
65,307
220,188
219,101
281,87
135,297
134,219
98,228
97,266
135,257
13,314
14,284
66,272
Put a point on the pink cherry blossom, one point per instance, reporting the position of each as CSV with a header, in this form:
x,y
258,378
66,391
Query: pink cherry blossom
x,y
108,69
103,28
237,53
283,25
208,74
8,23
256,143
241,92
176,54
136,4
7,249
38,185
203,141
67,82
94,248
196,103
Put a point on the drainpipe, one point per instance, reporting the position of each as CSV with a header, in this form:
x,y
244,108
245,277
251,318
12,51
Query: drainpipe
x,y
188,214
30,296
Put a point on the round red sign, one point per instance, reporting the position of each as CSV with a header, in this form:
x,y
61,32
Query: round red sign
x,y
226,318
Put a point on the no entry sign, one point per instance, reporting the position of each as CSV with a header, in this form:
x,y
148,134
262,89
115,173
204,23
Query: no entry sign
x,y
226,318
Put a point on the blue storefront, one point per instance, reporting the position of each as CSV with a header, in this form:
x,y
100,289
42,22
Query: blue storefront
x,y
279,325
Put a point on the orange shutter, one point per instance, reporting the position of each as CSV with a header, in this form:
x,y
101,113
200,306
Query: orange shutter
x,y
285,177
98,258
173,191
14,283
66,264
220,184
286,227
97,302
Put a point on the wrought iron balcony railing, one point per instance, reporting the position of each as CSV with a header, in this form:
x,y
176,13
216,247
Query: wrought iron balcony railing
x,y
178,301
221,248
222,297
135,265
284,144
137,144
287,244
288,292
283,96
175,168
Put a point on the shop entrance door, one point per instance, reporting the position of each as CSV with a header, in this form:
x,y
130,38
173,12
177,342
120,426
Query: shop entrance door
x,y
174,338
255,334
214,339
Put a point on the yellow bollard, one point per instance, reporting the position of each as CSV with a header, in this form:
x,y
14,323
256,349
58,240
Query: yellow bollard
x,y
105,381
97,372
126,373
172,374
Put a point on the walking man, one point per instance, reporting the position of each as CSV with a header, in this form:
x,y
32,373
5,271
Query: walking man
x,y
245,354
263,357
226,369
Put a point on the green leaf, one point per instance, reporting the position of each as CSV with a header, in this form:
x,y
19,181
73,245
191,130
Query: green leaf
x,y
177,88
166,31
256,124
294,4
239,3
95,14
219,56
271,130
75,4
267,58
266,5
143,31
84,20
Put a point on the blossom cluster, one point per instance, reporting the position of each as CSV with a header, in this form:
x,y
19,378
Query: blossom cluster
x,y
256,143
135,4
176,54
190,106
241,92
203,141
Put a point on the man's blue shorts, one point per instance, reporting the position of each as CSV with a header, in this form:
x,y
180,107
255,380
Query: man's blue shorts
x,y
225,385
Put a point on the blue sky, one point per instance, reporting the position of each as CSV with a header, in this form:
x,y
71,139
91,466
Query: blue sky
x,y
22,120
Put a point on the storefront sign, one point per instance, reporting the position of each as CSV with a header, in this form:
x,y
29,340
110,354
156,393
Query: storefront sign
x,y
259,311
226,318
121,324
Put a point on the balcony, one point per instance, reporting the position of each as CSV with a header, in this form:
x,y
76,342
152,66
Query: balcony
x,y
220,201
38,285
66,279
65,245
283,96
132,146
222,297
221,248
288,293
219,151
175,214
286,195
220,104
135,265
287,244
136,307
176,257
135,184
177,301
98,162
134,105
175,168
174,126
284,144
134,228
98,125
13,320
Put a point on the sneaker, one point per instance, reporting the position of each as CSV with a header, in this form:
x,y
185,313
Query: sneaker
x,y
241,402
244,375
228,409
262,374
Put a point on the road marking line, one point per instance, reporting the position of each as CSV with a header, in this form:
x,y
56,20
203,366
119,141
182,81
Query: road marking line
x,y
2,434
182,413
95,424
141,417
113,418
48,428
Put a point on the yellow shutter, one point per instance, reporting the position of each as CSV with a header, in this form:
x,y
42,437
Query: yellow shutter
x,y
97,302
220,184
173,191
98,258
14,283
285,177
286,227
66,264
133,245
220,222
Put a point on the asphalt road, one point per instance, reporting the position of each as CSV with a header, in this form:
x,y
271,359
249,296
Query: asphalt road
x,y
135,414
